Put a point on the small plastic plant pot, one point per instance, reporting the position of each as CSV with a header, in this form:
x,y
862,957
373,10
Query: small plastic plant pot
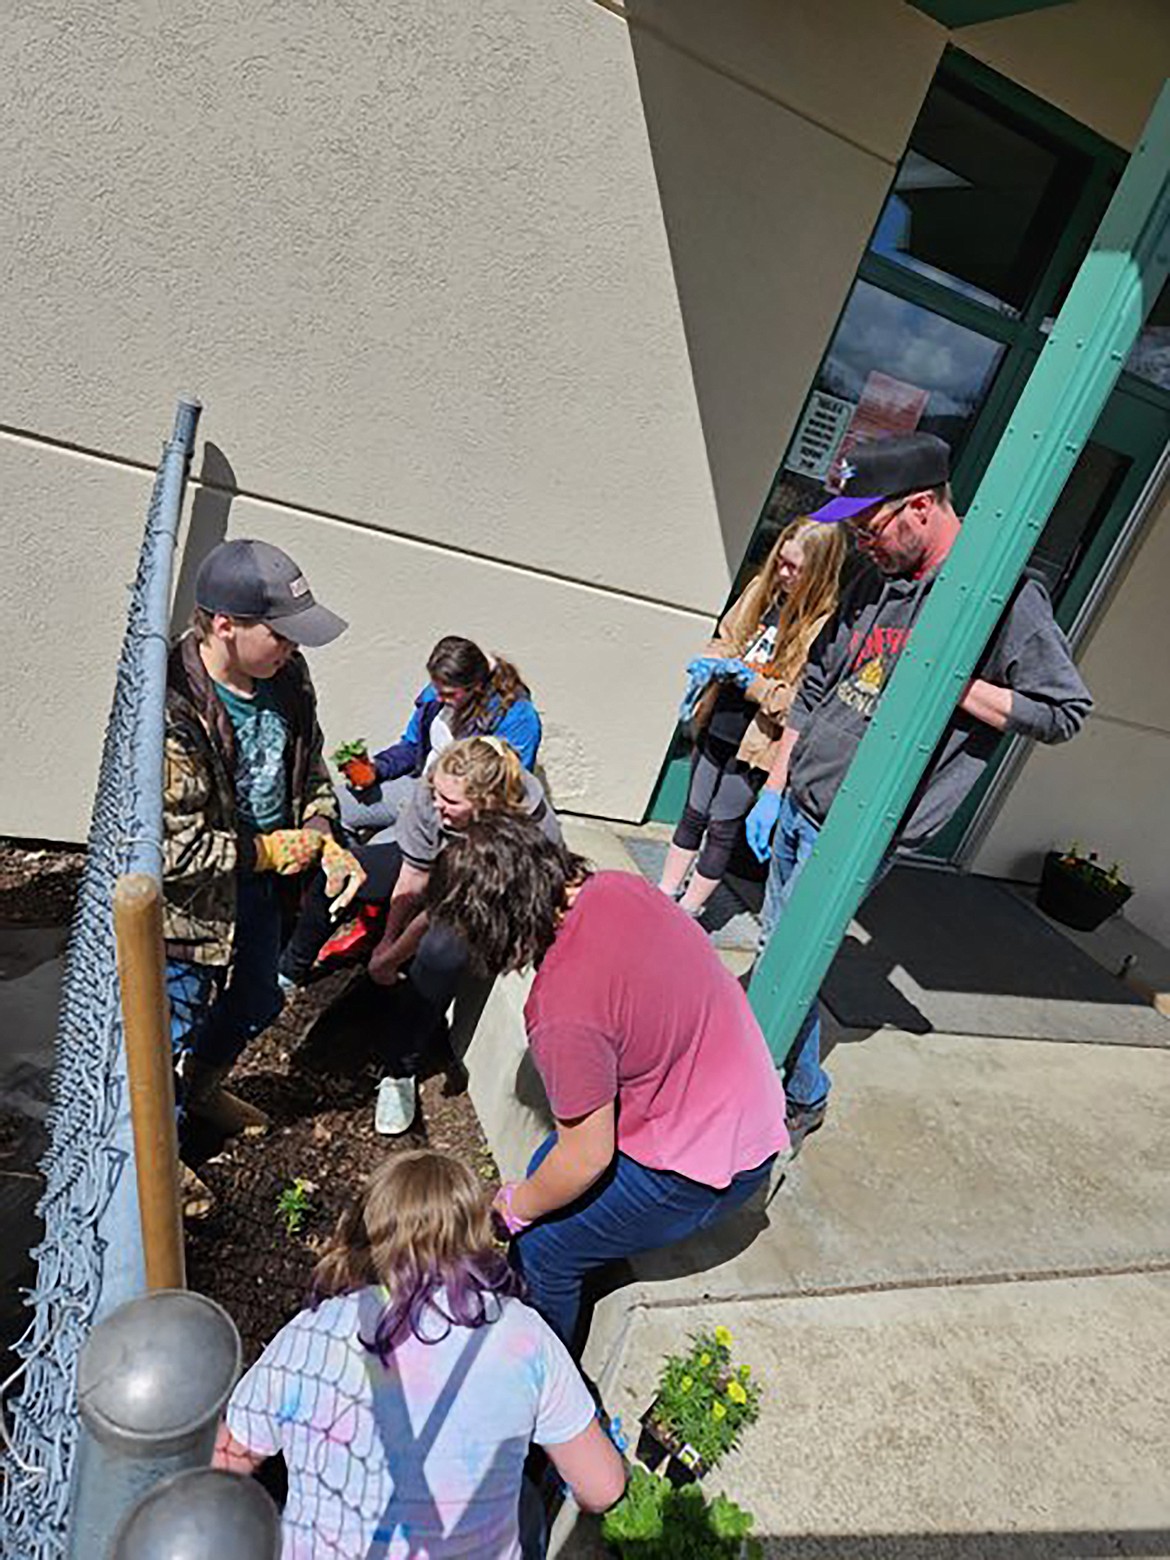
x,y
361,774
657,1446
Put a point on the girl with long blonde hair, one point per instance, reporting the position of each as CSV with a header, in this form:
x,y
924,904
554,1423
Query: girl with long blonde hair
x,y
740,691
405,1396
420,964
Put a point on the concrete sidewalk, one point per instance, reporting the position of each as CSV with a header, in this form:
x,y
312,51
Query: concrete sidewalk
x,y
957,1303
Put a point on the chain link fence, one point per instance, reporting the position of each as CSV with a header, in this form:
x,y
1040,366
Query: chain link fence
x,y
90,1259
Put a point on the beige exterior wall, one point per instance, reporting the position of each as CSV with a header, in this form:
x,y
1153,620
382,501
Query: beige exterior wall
x,y
502,318
1108,789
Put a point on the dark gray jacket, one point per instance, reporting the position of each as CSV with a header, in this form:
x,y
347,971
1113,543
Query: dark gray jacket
x,y
850,664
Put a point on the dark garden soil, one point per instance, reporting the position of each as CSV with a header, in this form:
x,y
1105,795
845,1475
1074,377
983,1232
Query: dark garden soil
x,y
38,883
316,1078
315,1073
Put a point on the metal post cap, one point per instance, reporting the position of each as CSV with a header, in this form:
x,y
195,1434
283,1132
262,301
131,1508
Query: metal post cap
x,y
156,1371
204,1514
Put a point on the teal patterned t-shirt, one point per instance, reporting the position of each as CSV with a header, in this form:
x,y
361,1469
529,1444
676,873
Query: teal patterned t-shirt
x,y
261,757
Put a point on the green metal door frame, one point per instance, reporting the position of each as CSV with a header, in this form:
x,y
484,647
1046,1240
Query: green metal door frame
x,y
1081,361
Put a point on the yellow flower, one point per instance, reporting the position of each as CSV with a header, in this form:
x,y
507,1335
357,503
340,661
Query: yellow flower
x,y
723,1337
736,1393
704,1359
718,1411
745,1373
687,1383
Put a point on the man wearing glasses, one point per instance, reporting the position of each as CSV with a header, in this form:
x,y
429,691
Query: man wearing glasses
x,y
897,502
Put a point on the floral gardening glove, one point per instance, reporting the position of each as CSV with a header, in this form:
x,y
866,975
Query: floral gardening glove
x,y
288,851
344,875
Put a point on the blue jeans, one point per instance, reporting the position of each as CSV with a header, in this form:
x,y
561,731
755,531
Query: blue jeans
x,y
806,1083
215,1012
630,1210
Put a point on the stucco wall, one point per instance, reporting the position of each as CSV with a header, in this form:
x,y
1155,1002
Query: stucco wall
x,y
501,317
1108,788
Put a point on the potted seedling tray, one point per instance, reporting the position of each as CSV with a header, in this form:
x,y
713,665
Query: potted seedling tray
x,y
1077,891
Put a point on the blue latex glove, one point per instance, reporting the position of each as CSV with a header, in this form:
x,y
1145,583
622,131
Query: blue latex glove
x,y
736,671
705,667
761,821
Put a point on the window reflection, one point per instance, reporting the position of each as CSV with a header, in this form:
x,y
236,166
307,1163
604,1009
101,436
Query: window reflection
x,y
880,334
1150,358
978,204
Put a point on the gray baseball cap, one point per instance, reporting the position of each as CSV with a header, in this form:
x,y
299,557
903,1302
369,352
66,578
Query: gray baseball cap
x,y
258,582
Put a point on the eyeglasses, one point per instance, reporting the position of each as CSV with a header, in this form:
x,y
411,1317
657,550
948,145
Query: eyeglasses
x,y
870,530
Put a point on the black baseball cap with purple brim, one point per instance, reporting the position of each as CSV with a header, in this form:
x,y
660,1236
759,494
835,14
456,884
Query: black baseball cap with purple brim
x,y
878,469
259,583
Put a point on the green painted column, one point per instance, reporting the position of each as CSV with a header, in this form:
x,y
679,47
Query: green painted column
x,y
1074,375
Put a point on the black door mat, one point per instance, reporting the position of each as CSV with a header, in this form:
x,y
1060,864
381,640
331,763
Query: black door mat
x,y
965,955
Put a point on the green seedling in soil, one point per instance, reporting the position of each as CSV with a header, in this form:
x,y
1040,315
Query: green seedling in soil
x,y
295,1203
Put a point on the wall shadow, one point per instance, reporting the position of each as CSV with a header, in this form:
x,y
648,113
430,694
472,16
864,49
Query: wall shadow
x,y
210,511
741,187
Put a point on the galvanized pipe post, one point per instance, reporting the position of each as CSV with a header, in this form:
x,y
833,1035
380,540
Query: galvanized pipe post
x,y
1076,371
119,1225
205,1514
153,1377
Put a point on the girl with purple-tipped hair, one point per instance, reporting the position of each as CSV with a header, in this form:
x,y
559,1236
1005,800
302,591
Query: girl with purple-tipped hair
x,y
405,1397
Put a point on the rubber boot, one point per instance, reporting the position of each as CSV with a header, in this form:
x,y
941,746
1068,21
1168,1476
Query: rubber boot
x,y
206,1098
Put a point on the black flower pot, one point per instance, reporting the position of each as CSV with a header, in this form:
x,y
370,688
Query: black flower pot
x,y
650,1451
1070,897
657,1446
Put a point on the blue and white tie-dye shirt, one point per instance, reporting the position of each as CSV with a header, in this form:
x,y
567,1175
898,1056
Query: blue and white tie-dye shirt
x,y
261,733
420,1459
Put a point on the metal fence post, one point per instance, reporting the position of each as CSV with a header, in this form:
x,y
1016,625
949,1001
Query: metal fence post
x,y
91,1257
205,1514
151,1382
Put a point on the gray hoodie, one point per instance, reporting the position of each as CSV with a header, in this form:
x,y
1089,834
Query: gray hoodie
x,y
850,664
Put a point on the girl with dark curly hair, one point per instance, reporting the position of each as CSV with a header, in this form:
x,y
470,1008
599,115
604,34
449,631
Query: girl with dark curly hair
x,y
669,1111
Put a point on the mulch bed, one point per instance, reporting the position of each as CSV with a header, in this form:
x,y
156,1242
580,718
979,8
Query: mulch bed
x,y
38,883
318,1088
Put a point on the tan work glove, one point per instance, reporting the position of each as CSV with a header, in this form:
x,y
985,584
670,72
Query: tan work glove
x,y
344,875
288,851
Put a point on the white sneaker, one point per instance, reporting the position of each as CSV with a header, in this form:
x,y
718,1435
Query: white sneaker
x,y
395,1107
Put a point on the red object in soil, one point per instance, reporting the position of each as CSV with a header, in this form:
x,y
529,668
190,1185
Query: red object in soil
x,y
356,940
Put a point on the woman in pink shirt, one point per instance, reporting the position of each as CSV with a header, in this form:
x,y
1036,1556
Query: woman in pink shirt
x,y
669,1112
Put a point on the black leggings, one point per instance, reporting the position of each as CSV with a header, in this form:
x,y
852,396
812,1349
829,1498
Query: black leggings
x,y
721,794
432,977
